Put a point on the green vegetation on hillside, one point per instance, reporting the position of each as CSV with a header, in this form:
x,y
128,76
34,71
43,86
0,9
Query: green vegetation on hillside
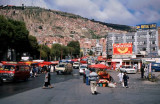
x,y
116,26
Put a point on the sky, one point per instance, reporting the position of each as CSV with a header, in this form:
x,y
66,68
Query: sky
x,y
124,12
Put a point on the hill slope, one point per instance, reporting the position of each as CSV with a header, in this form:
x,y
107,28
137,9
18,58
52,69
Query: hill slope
x,y
46,22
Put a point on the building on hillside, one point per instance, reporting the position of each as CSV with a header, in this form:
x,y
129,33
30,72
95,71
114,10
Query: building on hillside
x,y
99,49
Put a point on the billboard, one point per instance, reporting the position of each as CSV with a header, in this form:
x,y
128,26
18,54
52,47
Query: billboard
x,y
122,49
147,26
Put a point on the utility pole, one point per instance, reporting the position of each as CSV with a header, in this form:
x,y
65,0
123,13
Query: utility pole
x,y
150,33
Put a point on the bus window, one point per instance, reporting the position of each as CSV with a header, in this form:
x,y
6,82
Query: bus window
x,y
17,68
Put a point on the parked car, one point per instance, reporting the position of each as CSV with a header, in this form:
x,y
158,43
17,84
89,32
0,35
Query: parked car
x,y
128,69
76,65
81,67
64,68
155,67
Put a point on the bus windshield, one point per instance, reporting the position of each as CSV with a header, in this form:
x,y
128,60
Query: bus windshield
x,y
8,67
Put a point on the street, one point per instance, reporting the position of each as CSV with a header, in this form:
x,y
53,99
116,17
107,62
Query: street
x,y
69,89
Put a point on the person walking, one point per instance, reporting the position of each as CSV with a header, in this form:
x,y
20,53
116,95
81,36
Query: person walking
x,y
125,79
87,72
120,75
142,70
146,72
47,80
84,76
93,78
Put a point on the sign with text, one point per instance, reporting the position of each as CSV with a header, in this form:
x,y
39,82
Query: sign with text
x,y
122,48
147,26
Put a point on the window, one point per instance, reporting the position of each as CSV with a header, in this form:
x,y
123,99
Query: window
x,y
143,49
17,68
153,42
110,50
154,48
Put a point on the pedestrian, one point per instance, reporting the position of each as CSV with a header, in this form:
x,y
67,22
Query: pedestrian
x,y
47,79
93,78
146,71
120,75
87,72
84,76
142,70
136,66
34,71
125,79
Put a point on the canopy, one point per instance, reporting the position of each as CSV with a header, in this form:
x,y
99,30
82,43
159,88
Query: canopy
x,y
54,62
44,63
84,57
100,58
100,66
25,62
74,60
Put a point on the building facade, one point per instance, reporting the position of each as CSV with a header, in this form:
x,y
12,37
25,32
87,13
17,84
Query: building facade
x,y
144,42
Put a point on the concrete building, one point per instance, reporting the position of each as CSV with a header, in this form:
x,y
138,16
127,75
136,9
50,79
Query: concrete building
x,y
144,42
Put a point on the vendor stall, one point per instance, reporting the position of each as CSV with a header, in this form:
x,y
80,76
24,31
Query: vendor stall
x,y
104,76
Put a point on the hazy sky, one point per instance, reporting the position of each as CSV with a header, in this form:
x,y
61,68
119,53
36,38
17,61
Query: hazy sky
x,y
127,12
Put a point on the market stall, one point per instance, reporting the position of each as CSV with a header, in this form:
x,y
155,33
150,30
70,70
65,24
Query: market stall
x,y
104,76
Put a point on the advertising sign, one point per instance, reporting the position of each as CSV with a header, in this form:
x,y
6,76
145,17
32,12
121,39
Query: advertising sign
x,y
147,26
122,48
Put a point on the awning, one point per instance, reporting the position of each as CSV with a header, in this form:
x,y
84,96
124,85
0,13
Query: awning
x,y
100,66
100,58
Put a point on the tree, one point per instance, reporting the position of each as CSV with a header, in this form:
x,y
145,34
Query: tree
x,y
14,35
76,46
33,49
5,35
44,52
56,51
70,51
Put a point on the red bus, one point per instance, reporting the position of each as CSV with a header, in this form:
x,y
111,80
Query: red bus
x,y
12,71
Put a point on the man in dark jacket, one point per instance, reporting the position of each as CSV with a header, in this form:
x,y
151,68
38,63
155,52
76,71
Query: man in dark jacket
x,y
47,79
142,70
84,76
125,80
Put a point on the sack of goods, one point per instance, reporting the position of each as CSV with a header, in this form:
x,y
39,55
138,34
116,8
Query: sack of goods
x,y
111,85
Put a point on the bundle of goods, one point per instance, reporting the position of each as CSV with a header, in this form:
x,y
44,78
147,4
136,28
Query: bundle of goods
x,y
112,85
104,75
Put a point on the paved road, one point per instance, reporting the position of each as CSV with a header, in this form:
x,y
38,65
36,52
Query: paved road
x,y
73,91
11,88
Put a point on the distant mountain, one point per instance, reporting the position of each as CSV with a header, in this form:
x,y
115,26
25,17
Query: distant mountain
x,y
46,22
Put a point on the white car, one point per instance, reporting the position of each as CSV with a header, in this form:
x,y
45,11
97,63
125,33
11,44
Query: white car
x,y
65,68
128,69
81,67
76,65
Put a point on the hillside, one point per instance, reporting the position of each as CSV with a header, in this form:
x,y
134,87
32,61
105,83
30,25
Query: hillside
x,y
44,22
